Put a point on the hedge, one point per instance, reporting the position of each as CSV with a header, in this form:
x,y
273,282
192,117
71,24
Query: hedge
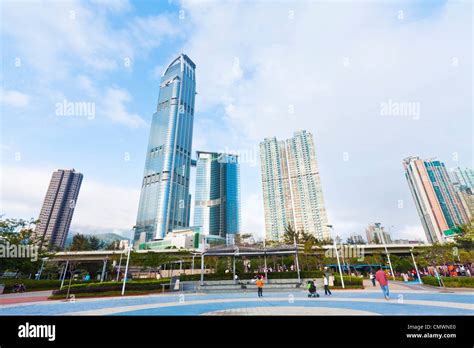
x,y
451,282
349,282
104,294
244,276
34,285
114,286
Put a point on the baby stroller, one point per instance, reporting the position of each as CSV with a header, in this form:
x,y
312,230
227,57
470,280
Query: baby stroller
x,y
311,289
19,288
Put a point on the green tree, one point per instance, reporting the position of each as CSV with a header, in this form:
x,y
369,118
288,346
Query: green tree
x,y
465,239
114,245
81,242
15,232
401,264
95,243
435,255
290,235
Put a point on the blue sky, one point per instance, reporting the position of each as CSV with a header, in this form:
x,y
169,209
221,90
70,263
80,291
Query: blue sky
x,y
263,69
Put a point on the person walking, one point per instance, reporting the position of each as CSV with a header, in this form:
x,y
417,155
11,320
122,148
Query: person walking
x,y
326,285
372,278
382,278
260,287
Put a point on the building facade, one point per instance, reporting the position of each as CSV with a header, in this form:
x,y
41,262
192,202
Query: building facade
x,y
464,177
58,208
437,202
355,239
217,196
165,200
463,181
376,234
278,209
292,191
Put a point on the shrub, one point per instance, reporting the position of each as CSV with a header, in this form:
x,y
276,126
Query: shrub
x,y
349,282
114,286
451,282
34,285
245,276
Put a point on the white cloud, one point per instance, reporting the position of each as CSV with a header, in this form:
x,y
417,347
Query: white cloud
x,y
252,214
333,64
114,5
411,232
100,206
106,206
112,102
63,36
14,98
113,106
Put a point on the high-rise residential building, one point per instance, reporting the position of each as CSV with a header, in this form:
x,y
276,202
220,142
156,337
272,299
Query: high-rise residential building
x,y
355,239
464,177
376,234
292,192
58,207
276,188
217,195
438,204
308,203
463,181
165,200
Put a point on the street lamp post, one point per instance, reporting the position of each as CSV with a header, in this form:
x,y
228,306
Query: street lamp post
x,y
416,267
337,256
41,269
120,266
297,262
388,255
265,259
63,276
344,260
128,260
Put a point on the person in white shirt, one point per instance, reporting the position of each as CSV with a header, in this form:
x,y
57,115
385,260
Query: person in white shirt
x,y
372,278
326,285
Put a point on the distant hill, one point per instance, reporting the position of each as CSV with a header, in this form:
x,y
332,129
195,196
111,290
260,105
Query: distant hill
x,y
105,237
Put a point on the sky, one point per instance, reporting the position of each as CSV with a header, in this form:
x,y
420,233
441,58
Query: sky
x,y
374,82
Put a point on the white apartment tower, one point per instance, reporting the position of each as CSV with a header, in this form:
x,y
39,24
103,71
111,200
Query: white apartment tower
x,y
292,192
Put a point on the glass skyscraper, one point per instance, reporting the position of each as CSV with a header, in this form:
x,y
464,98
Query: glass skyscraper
x,y
164,199
436,200
217,198
292,192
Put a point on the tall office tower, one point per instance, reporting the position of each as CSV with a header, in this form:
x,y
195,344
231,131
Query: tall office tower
x,y
376,234
436,200
292,192
58,207
164,199
217,202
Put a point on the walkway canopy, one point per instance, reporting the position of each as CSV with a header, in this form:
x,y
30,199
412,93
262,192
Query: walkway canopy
x,y
234,250
238,251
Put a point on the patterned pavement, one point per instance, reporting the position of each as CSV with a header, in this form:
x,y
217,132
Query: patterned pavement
x,y
347,302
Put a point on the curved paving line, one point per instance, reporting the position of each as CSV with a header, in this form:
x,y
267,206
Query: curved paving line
x,y
124,309
95,304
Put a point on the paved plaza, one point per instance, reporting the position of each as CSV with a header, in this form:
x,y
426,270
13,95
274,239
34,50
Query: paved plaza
x,y
404,301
